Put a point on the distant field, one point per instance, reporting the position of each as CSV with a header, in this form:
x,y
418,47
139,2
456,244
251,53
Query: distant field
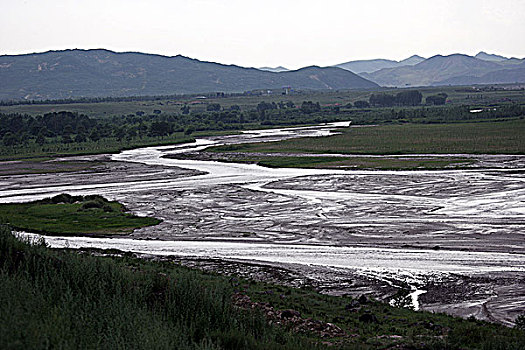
x,y
476,138
456,96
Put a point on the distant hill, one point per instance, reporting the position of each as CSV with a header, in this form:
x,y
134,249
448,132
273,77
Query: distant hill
x,y
412,60
97,73
274,69
490,57
370,66
456,69
502,76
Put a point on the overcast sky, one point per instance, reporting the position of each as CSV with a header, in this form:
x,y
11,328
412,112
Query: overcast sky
x,y
292,33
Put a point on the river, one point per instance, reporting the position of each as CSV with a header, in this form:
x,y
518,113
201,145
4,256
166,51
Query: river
x,y
417,230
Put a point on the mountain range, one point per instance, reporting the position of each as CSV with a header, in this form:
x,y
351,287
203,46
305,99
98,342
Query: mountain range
x,y
274,69
97,73
370,66
456,69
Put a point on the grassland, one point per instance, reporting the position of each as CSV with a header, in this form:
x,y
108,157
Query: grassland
x,y
474,96
327,162
54,148
495,137
62,299
67,215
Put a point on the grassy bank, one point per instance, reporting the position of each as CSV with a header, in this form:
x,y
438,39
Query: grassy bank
x,y
72,215
276,160
505,137
62,299
34,151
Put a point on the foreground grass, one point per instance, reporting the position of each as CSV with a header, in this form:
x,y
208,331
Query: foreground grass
x,y
62,299
496,137
72,215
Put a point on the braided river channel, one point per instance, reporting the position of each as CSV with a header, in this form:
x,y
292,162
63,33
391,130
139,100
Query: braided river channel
x,y
442,240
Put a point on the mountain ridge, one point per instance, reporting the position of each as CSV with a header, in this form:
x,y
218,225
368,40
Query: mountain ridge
x,y
373,65
102,72
455,69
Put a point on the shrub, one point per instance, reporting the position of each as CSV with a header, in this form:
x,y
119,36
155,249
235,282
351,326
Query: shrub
x,y
520,321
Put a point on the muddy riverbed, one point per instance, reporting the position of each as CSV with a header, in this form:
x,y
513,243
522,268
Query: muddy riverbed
x,y
451,240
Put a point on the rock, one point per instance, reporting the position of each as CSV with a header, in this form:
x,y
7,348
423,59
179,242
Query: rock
x,y
354,304
368,318
290,314
362,299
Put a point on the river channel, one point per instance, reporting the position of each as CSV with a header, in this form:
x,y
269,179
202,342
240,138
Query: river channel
x,y
452,240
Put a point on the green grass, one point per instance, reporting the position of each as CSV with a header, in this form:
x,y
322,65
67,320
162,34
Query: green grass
x,y
91,215
63,299
475,138
111,145
324,162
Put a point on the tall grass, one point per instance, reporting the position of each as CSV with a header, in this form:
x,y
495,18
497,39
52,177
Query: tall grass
x,y
58,299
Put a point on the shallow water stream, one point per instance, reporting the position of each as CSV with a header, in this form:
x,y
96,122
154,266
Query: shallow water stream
x,y
404,226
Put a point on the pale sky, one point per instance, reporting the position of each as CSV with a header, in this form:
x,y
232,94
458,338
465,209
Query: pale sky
x,y
292,33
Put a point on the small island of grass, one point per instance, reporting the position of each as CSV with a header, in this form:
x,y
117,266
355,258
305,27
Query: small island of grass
x,y
64,214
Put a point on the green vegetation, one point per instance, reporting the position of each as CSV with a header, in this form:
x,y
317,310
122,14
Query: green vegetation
x,y
62,299
72,215
323,162
59,299
484,137
105,125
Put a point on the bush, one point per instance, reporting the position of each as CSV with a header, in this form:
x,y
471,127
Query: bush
x,y
520,321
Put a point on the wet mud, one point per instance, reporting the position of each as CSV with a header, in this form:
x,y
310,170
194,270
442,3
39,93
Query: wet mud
x,y
451,240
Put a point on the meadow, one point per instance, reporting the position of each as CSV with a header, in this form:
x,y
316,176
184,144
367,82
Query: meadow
x,y
72,215
485,137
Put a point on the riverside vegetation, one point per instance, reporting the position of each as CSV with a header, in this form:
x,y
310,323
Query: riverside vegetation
x,y
63,299
103,126
489,137
72,215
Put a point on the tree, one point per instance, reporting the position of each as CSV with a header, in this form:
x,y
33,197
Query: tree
x,y
10,139
119,133
382,100
94,135
439,99
213,107
189,130
361,104
80,138
159,129
40,139
66,139
185,109
265,106
310,107
408,98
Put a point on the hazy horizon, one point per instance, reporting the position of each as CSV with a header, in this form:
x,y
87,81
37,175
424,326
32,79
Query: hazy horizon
x,y
292,34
